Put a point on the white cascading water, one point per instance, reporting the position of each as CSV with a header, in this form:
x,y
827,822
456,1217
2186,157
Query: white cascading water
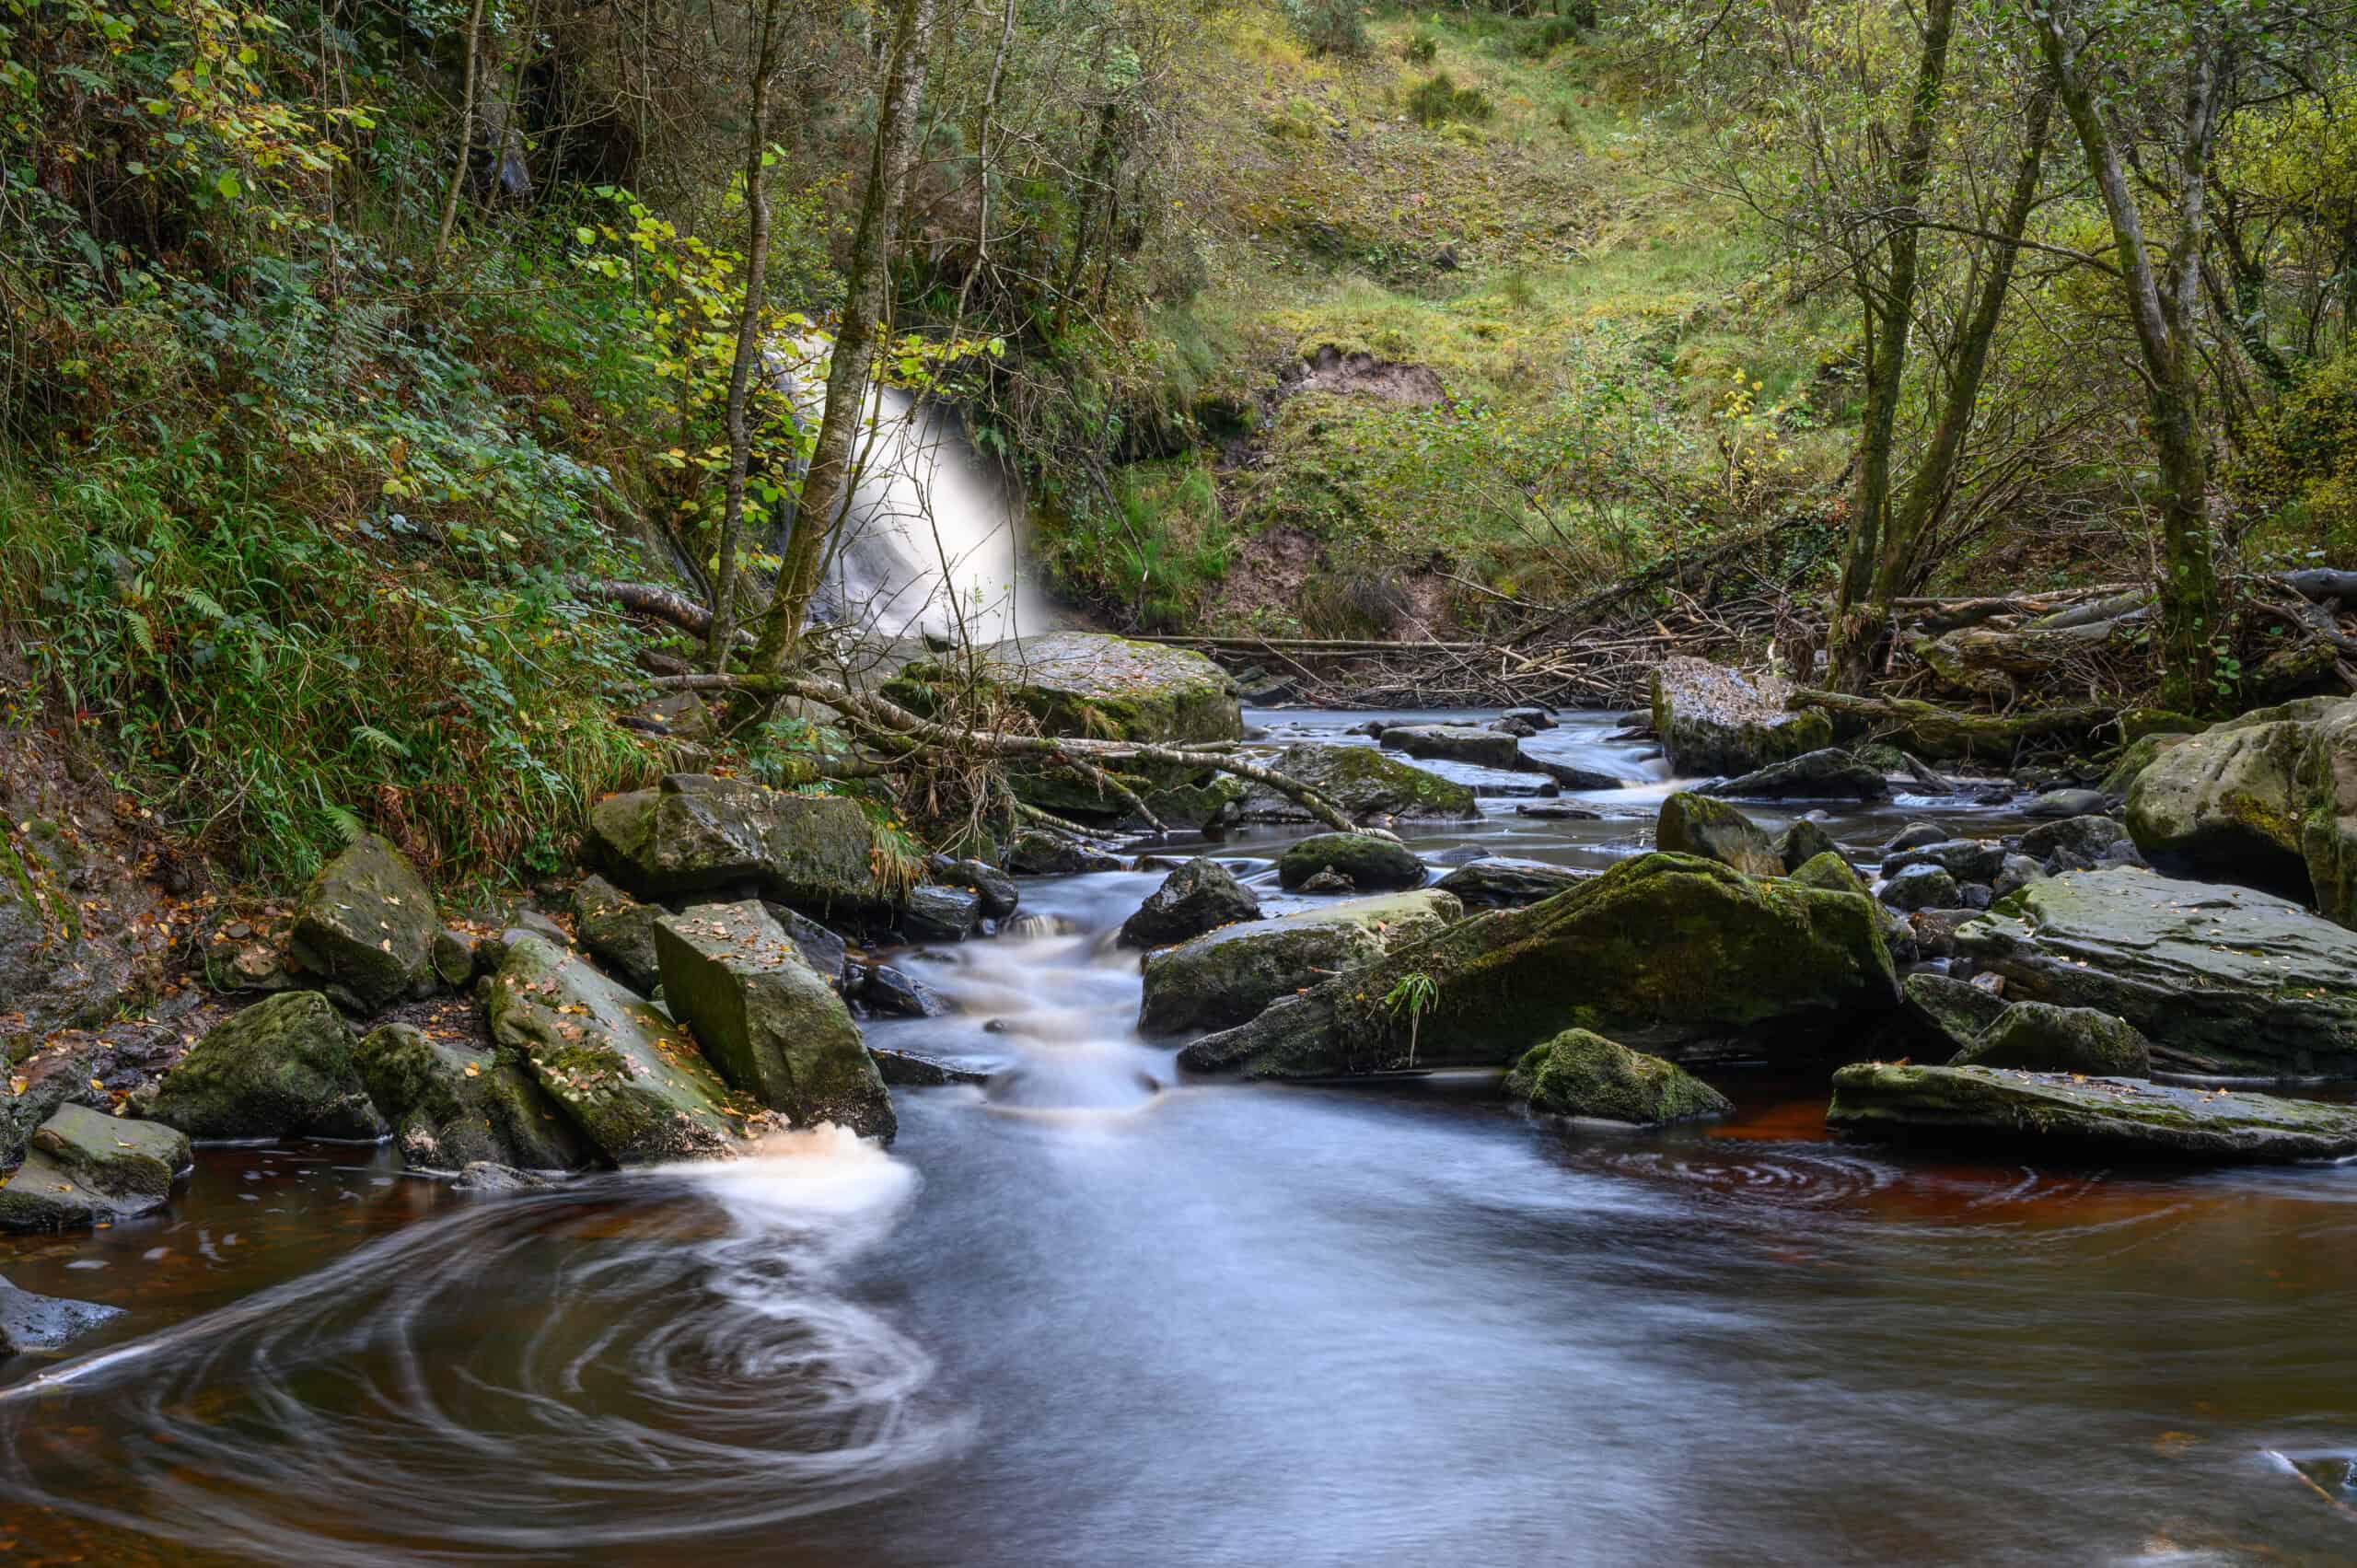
x,y
930,542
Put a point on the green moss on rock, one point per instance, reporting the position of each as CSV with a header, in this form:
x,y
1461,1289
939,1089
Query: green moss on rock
x,y
282,1068
1582,1074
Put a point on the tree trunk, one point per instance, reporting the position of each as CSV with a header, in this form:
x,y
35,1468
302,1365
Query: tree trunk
x,y
1927,490
1855,629
2163,310
749,339
826,488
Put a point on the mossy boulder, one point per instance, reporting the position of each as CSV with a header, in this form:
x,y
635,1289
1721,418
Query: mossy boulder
x,y
630,1079
1372,864
1828,774
1363,785
2225,804
1712,719
2218,977
454,1104
1920,886
1582,1074
86,1167
365,927
1802,841
1227,976
2108,1117
1663,952
2042,1037
1037,852
1091,684
696,833
1830,872
617,931
771,1024
2120,778
2327,779
282,1068
1200,896
1698,825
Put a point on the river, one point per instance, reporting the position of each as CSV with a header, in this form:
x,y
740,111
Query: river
x,y
1094,1313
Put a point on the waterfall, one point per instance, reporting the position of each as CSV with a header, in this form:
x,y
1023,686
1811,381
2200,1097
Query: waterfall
x,y
929,540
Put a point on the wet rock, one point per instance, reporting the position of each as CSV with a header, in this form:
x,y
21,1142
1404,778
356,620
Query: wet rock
x,y
1454,743
364,929
1363,785
936,913
1227,976
1500,882
2124,852
916,1070
771,1026
1663,952
1694,824
1038,852
2077,840
455,1105
1975,896
282,1068
2133,759
1714,720
1802,842
489,1179
1198,897
2226,805
1088,683
86,1167
1370,862
2068,803
1567,775
1536,718
2042,1037
997,891
1936,930
1558,811
892,993
617,931
454,957
1915,835
1966,860
2104,1116
1921,886
58,1073
2328,798
827,954
2220,979
29,1323
1329,881
1515,728
629,1078
1944,1015
1829,871
694,833
1828,774
2019,871
1581,1074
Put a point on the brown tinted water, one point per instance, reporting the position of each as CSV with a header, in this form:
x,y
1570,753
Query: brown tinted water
x,y
1094,1314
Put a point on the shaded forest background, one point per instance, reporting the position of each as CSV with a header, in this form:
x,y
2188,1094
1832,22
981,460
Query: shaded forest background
x,y
341,342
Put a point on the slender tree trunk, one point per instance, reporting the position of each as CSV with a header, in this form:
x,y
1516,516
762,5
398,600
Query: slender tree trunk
x,y
2164,307
749,339
1928,488
466,137
826,488
1855,629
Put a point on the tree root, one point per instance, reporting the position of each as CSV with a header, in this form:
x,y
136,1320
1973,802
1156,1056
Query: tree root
x,y
890,720
1945,733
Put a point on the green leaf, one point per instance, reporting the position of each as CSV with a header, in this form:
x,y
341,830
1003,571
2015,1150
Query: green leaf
x,y
228,187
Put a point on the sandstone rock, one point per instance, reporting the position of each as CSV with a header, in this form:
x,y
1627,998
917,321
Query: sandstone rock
x,y
1714,720
86,1167
695,833
771,1025
617,931
454,1106
2042,1037
365,926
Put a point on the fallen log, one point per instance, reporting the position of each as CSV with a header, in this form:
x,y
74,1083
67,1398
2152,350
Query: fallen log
x,y
1947,732
650,600
890,720
1937,616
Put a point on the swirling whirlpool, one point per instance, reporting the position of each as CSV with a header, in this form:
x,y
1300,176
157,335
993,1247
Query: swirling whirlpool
x,y
630,1359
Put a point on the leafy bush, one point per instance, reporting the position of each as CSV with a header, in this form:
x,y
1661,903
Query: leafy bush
x,y
2298,461
1419,48
1439,101
1331,26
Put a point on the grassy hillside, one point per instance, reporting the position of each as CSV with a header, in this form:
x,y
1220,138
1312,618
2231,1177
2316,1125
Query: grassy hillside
x,y
1620,366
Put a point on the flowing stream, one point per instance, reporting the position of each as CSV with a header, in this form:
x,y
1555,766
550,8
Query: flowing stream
x,y
1095,1314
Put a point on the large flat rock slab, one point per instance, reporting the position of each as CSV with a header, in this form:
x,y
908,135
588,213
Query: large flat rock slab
x,y
1089,683
1712,719
2112,1117
2220,979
